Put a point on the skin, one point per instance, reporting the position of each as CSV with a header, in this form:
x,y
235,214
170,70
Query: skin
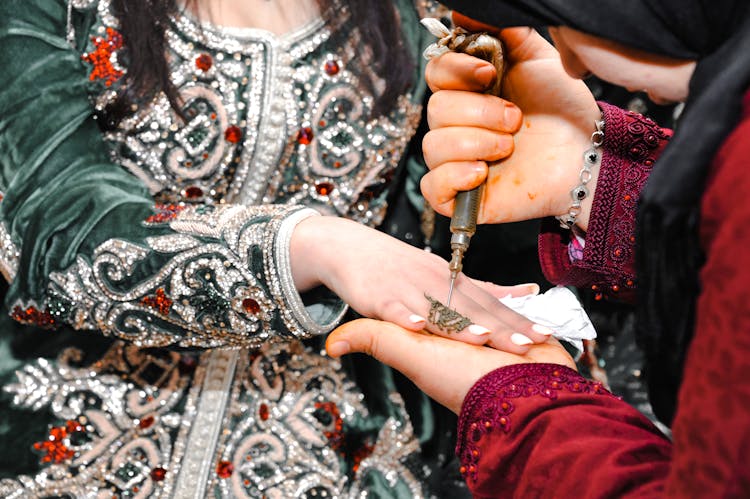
x,y
664,79
466,136
423,357
276,17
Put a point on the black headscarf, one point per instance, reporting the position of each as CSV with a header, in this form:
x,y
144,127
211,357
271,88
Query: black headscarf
x,y
716,33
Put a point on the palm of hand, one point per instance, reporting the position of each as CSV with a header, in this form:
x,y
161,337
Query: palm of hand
x,y
559,114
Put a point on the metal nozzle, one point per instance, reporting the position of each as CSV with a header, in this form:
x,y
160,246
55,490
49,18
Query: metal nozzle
x,y
463,226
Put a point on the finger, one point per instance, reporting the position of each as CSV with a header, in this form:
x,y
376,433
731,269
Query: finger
x,y
396,312
454,71
441,185
460,143
458,108
524,43
457,322
499,291
510,331
478,318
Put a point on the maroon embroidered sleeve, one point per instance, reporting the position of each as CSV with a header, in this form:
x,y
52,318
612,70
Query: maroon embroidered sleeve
x,y
542,430
631,145
712,425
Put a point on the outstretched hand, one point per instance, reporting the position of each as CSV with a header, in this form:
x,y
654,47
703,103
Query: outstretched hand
x,y
444,369
383,278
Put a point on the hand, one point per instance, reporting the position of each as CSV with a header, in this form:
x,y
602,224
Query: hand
x,y
444,369
467,130
384,278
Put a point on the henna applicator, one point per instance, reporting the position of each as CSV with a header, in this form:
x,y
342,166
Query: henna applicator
x,y
466,209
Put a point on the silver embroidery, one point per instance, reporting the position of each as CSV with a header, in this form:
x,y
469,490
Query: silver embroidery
x,y
273,119
151,428
204,295
9,254
209,419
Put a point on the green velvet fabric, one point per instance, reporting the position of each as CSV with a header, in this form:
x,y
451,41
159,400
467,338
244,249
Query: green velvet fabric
x,y
63,197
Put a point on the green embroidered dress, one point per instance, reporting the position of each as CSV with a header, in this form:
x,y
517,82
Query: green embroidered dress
x,y
162,351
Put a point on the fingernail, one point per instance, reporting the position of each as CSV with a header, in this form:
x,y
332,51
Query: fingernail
x,y
338,348
478,330
532,287
416,319
512,115
520,339
485,74
538,328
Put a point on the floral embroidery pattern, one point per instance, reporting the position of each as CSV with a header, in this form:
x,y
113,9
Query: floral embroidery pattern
x,y
632,143
138,423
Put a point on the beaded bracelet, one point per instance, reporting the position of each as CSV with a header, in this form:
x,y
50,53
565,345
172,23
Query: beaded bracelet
x,y
592,157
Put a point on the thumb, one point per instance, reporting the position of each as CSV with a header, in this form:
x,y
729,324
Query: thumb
x,y
524,43
385,341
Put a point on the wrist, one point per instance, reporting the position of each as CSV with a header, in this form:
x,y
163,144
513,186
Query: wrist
x,y
581,195
302,250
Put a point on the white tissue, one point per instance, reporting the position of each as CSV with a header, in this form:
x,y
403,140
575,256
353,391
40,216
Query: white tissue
x,y
559,310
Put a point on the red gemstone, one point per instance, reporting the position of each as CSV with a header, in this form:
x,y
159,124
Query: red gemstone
x,y
324,188
57,433
251,306
224,469
233,134
204,62
331,68
73,426
263,412
193,192
146,422
158,474
305,135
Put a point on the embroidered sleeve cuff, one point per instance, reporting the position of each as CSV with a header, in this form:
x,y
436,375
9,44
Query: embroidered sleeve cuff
x,y
631,145
322,310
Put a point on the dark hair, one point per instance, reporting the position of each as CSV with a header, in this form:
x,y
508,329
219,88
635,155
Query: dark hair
x,y
143,24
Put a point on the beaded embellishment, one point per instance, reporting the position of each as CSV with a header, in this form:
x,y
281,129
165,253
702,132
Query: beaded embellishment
x,y
229,423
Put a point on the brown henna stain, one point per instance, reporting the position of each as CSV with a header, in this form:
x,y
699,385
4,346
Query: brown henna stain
x,y
532,195
493,180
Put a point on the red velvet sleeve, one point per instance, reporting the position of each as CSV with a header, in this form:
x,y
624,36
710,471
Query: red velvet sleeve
x,y
541,430
631,145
